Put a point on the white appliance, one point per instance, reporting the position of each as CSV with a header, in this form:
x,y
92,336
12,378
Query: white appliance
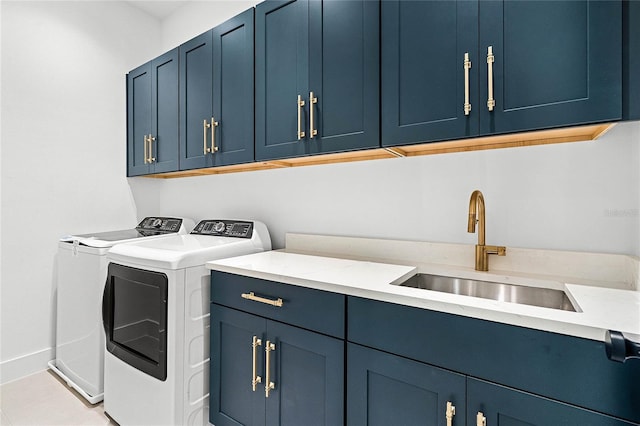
x,y
156,319
82,272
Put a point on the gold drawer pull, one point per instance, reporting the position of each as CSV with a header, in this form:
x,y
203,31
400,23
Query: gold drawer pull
x,y
252,296
300,104
312,131
490,60
467,66
151,157
146,149
205,148
268,384
213,125
451,411
481,420
255,379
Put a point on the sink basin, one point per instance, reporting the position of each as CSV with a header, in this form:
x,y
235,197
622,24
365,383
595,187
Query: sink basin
x,y
544,297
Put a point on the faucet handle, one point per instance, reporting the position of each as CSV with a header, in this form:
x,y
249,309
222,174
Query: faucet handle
x,y
499,250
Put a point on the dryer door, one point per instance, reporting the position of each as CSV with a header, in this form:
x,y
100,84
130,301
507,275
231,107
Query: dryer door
x,y
134,313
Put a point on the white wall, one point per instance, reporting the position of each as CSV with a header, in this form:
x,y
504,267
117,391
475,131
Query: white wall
x,y
63,151
197,17
577,196
63,155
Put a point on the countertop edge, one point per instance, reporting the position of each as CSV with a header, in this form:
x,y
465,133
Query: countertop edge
x,y
501,312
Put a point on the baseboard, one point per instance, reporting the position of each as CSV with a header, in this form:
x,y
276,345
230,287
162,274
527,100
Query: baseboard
x,y
25,365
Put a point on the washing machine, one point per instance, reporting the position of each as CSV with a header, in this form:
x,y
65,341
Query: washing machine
x,y
81,275
156,319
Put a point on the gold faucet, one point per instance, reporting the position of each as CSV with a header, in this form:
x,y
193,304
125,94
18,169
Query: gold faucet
x,y
482,250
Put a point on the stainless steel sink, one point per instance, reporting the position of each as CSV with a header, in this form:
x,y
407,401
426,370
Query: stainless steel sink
x,y
545,297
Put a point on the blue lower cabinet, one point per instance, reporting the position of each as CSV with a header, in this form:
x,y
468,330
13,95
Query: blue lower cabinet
x,y
565,371
232,400
497,405
264,372
307,370
384,389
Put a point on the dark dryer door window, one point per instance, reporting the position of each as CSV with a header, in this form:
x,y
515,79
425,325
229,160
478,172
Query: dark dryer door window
x,y
134,311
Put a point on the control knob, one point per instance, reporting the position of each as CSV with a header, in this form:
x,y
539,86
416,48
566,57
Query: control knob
x,y
218,226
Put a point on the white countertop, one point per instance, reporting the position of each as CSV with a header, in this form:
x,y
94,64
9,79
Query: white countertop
x,y
601,308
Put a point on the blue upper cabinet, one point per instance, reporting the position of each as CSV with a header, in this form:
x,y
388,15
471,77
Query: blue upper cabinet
x,y
555,63
630,60
282,76
196,101
424,81
138,119
344,75
460,69
216,95
317,77
232,135
152,110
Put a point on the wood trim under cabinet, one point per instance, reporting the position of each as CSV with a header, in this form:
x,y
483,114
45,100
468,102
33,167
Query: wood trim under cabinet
x,y
541,137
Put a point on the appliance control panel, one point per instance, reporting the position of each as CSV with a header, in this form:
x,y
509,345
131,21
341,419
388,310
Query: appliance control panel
x,y
164,224
224,228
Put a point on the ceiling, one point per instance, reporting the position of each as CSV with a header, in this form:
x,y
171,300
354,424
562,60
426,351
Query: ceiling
x,y
159,9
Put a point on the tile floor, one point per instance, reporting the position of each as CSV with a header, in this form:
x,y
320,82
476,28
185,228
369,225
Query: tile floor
x,y
43,399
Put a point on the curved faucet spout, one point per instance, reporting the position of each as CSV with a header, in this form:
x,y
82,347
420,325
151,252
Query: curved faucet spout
x,y
476,204
477,214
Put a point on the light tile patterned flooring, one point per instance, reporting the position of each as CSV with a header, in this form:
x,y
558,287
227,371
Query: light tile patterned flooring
x,y
43,399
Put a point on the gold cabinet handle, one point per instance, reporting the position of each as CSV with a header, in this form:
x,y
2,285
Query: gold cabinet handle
x,y
255,379
451,411
481,420
268,384
214,124
300,107
490,60
467,67
252,296
146,149
312,100
151,157
205,126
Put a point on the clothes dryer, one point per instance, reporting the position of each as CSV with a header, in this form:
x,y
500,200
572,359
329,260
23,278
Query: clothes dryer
x,y
156,320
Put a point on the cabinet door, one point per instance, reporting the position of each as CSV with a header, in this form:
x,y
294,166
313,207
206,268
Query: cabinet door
x,y
164,118
556,63
502,406
344,75
232,400
423,75
630,60
384,389
196,88
307,369
233,104
138,119
282,73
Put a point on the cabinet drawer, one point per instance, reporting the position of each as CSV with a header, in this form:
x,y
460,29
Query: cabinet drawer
x,y
312,309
